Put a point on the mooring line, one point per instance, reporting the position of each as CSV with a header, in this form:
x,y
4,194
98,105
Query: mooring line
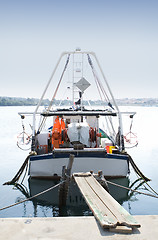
x,y
137,170
30,198
149,186
147,194
19,173
47,190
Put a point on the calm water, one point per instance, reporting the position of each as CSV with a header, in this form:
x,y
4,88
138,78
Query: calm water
x,y
145,156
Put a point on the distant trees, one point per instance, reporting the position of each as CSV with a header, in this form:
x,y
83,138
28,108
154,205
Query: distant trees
x,y
15,101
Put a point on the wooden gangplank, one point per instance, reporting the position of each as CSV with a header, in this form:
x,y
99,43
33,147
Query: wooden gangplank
x,y
105,208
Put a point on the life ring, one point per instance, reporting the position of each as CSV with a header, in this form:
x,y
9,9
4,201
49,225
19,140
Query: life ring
x,y
131,139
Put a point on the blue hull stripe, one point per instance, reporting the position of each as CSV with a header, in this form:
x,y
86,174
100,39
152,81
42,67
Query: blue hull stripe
x,y
79,155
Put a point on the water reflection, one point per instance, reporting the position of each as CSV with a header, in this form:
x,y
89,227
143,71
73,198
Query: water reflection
x,y
74,203
123,190
120,194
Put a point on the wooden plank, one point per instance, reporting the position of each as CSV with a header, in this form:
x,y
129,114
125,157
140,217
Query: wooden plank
x,y
122,216
104,207
96,206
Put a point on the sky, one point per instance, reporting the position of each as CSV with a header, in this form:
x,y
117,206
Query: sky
x,y
122,33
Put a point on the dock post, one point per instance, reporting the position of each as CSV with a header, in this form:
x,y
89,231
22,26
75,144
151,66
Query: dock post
x,y
63,189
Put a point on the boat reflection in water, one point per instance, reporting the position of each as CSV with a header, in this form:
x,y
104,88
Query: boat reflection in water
x,y
74,203
55,202
120,194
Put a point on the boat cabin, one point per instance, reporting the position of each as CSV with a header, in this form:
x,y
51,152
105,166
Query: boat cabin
x,y
73,129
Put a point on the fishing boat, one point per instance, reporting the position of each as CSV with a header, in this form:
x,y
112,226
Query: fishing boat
x,y
93,135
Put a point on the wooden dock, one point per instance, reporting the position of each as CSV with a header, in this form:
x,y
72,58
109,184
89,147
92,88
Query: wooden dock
x,y
105,208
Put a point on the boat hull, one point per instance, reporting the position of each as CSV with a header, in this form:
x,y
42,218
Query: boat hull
x,y
50,165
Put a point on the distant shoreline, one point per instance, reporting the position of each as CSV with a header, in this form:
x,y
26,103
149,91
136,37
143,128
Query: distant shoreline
x,y
18,101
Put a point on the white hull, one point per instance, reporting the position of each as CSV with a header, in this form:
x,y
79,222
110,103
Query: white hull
x,y
112,166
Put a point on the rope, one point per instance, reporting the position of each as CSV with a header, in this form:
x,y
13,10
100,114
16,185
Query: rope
x,y
44,119
19,173
30,198
149,186
47,190
147,194
136,169
98,83
25,173
140,173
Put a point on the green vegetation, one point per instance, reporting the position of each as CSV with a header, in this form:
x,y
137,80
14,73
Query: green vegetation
x,y
15,101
